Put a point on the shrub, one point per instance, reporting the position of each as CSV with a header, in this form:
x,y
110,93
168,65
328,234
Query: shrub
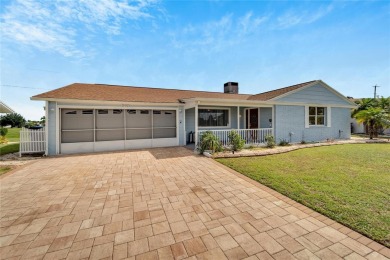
x,y
284,142
235,141
3,131
303,142
270,141
209,141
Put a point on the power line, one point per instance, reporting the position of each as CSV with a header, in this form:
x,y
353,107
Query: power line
x,y
13,86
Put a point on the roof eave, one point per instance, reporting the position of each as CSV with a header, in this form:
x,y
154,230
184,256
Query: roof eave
x,y
114,102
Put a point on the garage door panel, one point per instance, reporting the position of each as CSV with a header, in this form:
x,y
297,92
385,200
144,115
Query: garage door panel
x,y
109,118
77,119
135,134
76,136
164,132
110,135
138,118
164,118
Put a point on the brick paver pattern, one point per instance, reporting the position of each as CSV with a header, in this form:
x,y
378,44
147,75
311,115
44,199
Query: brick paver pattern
x,y
160,204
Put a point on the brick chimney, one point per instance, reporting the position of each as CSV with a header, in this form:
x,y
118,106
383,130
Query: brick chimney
x,y
230,87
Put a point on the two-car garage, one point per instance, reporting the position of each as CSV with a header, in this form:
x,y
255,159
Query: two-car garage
x,y
95,130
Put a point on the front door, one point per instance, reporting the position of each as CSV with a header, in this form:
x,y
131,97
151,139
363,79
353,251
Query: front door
x,y
252,118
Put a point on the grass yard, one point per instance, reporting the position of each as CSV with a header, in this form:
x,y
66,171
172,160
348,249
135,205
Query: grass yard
x,y
348,183
13,134
9,148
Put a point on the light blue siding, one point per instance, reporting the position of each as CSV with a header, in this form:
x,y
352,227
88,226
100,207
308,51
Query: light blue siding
x,y
51,128
291,119
316,94
265,116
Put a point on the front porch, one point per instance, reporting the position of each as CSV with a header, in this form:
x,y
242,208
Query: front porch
x,y
252,123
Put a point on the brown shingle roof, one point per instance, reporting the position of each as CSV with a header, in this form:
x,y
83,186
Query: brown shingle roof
x,y
277,92
102,92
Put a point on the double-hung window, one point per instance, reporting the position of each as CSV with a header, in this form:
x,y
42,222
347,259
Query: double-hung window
x,y
213,117
317,116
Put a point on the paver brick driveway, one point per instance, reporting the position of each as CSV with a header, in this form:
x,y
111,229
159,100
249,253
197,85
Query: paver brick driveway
x,y
160,203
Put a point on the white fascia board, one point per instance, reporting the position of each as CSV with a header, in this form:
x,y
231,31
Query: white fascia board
x,y
106,103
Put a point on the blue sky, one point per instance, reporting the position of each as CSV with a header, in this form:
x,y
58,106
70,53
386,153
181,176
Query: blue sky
x,y
198,45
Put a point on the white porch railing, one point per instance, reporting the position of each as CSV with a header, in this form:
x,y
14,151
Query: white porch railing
x,y
32,141
251,136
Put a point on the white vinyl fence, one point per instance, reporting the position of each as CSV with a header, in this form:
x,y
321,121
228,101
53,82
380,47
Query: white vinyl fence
x,y
32,141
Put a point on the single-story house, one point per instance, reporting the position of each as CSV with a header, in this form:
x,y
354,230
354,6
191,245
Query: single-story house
x,y
98,117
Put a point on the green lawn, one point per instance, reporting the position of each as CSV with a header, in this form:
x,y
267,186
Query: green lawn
x,y
9,148
348,183
13,134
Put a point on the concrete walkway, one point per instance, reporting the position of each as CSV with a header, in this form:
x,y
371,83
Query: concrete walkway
x,y
160,204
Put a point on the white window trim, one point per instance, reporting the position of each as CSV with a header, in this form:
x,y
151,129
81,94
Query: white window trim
x,y
327,117
216,127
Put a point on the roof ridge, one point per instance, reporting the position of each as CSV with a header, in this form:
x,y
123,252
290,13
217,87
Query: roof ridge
x,y
203,91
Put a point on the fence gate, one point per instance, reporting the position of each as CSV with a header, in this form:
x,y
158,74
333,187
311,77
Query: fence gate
x,y
32,141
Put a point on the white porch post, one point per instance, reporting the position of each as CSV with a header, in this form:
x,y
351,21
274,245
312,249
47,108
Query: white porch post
x,y
196,124
238,117
273,121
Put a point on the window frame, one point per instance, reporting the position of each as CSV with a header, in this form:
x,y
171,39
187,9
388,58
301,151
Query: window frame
x,y
316,116
216,108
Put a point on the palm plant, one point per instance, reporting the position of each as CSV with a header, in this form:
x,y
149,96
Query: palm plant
x,y
209,141
374,118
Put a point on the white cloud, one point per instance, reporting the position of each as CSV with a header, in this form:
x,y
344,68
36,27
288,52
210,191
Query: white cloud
x,y
55,25
293,18
217,34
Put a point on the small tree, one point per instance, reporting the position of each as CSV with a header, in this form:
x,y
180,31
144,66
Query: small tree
x,y
236,141
13,119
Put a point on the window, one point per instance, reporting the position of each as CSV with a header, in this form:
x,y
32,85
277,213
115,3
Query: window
x,y
117,111
74,112
132,111
144,112
317,115
88,112
102,111
213,117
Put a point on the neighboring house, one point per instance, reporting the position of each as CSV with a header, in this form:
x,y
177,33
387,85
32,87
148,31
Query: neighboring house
x,y
359,128
97,117
4,109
